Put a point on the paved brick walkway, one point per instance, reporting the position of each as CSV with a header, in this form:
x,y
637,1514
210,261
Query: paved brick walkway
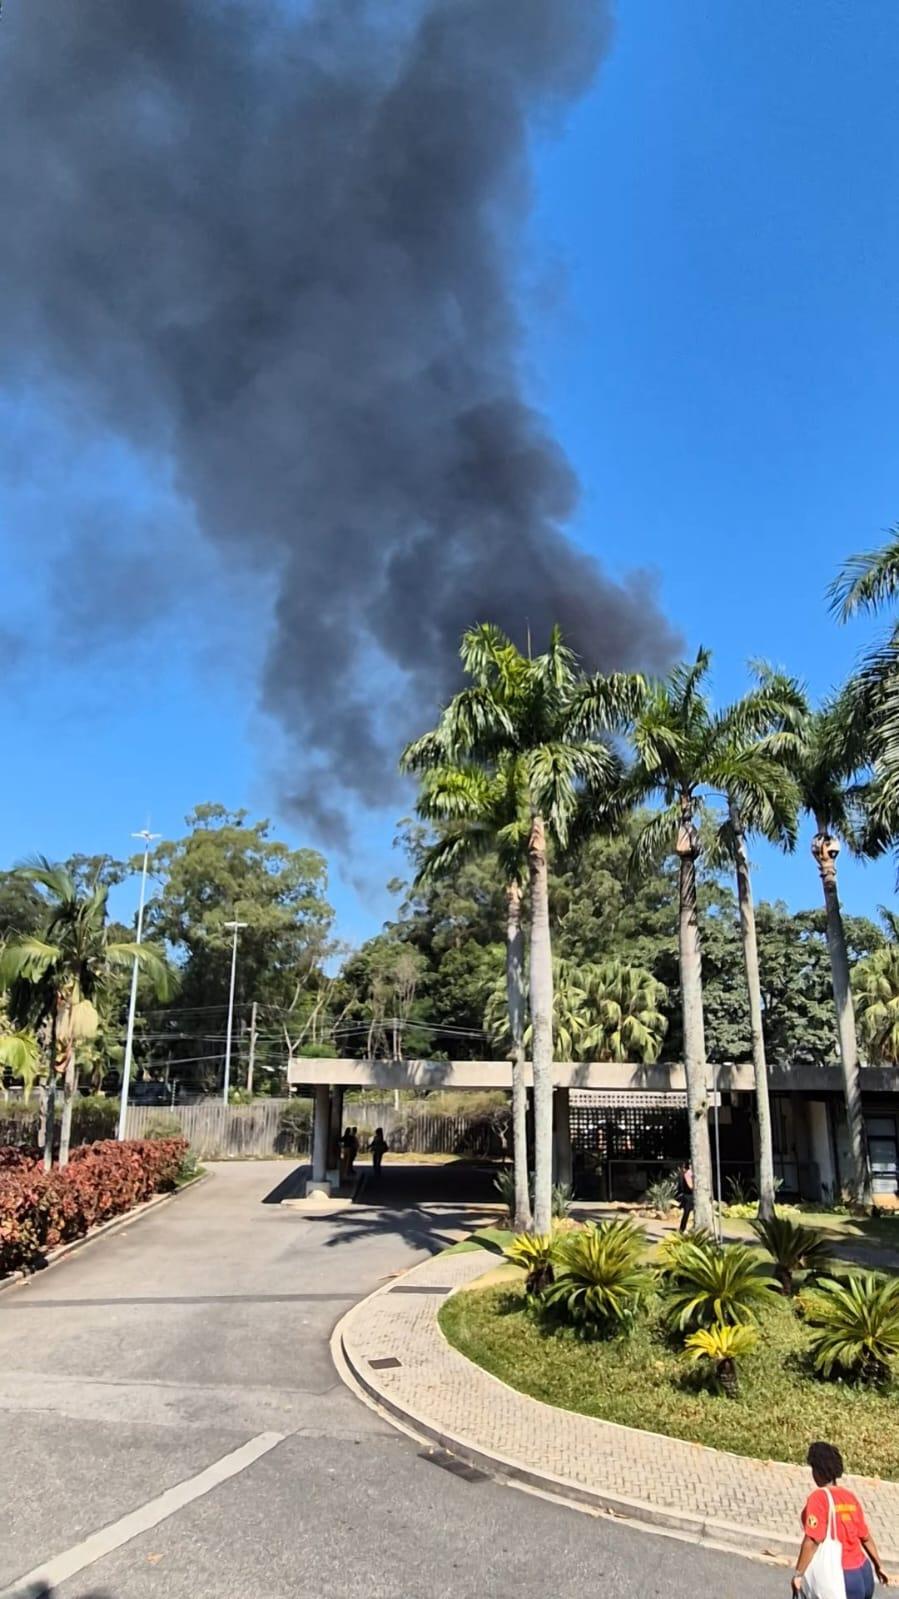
x,y
747,1505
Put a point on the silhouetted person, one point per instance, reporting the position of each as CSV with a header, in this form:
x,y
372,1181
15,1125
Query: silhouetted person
x,y
378,1149
685,1197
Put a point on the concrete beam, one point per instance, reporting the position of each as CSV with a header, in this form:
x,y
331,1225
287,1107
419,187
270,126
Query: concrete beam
x,y
461,1074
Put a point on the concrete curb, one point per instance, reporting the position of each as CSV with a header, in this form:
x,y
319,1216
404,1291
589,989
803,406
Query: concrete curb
x,y
18,1279
748,1540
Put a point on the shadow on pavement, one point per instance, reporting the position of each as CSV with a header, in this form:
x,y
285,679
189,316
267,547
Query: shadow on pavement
x,y
428,1206
293,1186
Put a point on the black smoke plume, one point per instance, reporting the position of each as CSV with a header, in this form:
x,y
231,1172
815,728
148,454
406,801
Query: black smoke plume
x,y
277,247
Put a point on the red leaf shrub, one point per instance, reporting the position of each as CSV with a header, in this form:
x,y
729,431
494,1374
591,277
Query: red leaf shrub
x,y
40,1209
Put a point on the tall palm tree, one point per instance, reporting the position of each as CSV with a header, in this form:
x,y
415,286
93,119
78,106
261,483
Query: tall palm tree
x,y
54,979
868,583
482,811
521,709
683,755
756,736
826,759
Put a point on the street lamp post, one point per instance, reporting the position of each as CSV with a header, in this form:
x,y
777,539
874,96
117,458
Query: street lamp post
x,y
234,927
148,839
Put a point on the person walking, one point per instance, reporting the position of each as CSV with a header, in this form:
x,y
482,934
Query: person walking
x,y
685,1197
831,1511
378,1147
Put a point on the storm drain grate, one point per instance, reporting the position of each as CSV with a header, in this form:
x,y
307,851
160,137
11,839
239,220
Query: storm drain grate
x,y
384,1363
418,1288
448,1462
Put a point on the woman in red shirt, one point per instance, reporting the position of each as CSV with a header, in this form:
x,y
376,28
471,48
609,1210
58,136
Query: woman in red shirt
x,y
861,1561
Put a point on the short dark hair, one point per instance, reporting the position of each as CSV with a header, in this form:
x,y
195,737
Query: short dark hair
x,y
826,1461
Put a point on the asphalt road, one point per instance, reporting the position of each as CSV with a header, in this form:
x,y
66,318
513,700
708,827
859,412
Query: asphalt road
x,y
153,1355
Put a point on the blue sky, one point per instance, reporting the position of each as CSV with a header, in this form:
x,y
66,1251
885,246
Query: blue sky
x,y
712,326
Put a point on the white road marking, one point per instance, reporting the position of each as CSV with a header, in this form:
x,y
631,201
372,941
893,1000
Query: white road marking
x,y
71,1561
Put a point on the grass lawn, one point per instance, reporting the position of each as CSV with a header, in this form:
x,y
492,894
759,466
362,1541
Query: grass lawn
x,y
642,1381
493,1239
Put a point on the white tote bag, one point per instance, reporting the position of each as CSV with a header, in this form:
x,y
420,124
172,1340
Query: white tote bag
x,y
823,1577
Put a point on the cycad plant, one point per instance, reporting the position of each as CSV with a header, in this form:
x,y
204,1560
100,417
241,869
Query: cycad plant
x,y
709,1285
793,1248
723,1344
670,1247
856,1325
534,1252
600,1277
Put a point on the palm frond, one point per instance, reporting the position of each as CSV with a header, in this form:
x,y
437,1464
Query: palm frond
x,y
26,958
867,581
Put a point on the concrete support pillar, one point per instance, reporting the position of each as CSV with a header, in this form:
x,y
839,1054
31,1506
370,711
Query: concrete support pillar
x,y
821,1148
321,1124
336,1130
562,1163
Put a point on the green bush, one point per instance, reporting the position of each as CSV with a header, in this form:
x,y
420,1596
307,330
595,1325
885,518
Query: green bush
x,y
600,1277
294,1127
94,1117
535,1252
661,1195
793,1248
856,1325
162,1124
709,1284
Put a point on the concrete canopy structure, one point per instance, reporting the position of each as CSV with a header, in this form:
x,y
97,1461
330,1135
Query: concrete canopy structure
x,y
811,1142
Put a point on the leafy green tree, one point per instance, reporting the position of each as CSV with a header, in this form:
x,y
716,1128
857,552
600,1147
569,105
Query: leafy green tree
x,y
55,979
517,714
227,868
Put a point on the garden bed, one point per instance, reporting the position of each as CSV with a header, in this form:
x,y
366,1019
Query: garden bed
x,y
642,1380
40,1210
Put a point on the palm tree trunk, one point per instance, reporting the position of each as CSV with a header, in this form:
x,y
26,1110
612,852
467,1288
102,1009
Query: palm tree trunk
x,y
515,1000
756,1026
541,996
695,1066
69,1084
825,849
50,1099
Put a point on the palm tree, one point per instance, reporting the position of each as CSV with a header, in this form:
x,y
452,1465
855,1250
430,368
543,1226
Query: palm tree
x,y
601,1011
479,812
521,710
682,753
826,757
54,979
868,583
625,1006
755,736
875,985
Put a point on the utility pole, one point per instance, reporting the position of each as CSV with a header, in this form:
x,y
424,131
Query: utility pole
x,y
148,839
252,1060
232,927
